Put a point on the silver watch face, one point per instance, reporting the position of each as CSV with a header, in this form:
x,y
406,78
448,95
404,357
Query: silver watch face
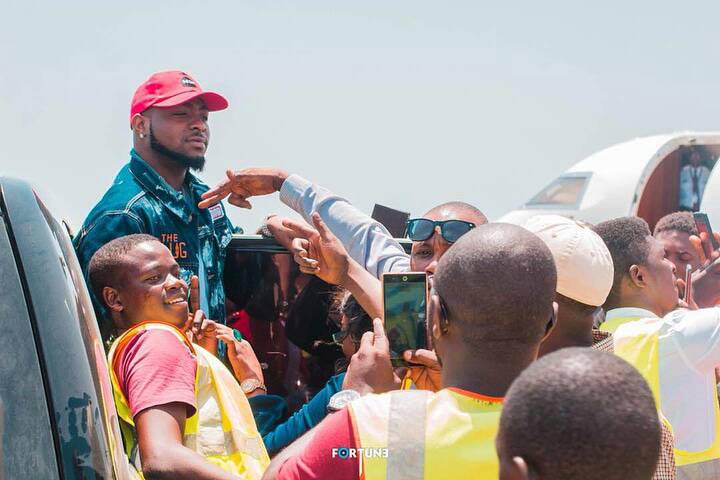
x,y
250,385
342,398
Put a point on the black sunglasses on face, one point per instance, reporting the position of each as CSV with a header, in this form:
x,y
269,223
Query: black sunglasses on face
x,y
419,229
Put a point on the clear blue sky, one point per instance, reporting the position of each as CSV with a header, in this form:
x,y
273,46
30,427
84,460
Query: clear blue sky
x,y
406,103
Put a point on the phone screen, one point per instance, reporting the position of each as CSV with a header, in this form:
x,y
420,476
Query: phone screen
x,y
703,225
404,300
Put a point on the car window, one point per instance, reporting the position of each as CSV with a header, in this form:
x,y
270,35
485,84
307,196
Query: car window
x,y
565,191
282,313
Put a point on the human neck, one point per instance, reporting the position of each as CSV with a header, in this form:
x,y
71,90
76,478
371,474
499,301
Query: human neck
x,y
173,173
571,330
488,373
635,301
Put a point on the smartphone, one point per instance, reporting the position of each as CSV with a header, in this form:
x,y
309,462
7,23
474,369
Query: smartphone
x,y
687,296
404,301
703,225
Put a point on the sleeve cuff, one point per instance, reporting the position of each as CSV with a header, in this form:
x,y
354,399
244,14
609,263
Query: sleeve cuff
x,y
292,191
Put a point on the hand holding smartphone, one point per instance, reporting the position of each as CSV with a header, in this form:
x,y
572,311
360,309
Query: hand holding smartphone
x,y
702,223
404,302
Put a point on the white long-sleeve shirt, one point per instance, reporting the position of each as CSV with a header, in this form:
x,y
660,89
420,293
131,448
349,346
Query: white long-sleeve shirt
x,y
367,241
689,351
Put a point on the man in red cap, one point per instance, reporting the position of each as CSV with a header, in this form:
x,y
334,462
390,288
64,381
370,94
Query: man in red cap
x,y
156,194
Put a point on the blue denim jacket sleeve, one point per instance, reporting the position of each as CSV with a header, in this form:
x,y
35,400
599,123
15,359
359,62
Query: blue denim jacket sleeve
x,y
112,225
277,437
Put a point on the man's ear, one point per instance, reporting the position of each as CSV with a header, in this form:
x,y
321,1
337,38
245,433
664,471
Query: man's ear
x,y
552,321
111,299
637,276
438,324
140,125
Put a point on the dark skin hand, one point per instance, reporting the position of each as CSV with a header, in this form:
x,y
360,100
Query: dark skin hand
x,y
282,234
162,454
318,252
370,370
243,184
706,279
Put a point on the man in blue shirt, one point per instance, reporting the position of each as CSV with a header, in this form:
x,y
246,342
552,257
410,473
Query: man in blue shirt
x,y
156,194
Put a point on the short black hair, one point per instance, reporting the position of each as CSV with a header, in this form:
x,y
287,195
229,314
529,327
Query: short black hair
x,y
628,242
497,283
107,262
581,414
676,221
480,217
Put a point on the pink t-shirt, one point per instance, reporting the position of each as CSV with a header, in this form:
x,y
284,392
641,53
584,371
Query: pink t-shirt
x,y
316,461
156,368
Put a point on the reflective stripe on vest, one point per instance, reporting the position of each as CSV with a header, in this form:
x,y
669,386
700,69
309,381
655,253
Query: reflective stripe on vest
x,y
638,343
614,323
427,435
222,429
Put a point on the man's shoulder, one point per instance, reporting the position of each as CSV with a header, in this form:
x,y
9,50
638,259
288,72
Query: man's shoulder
x,y
158,344
375,403
125,195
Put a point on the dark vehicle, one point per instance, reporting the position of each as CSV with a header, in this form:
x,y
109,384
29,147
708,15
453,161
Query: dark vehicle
x,y
57,416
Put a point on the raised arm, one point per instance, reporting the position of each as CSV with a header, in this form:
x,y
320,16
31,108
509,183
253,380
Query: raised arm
x,y
318,252
367,241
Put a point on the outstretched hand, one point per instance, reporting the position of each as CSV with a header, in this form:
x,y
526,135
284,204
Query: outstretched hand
x,y
317,251
706,279
243,184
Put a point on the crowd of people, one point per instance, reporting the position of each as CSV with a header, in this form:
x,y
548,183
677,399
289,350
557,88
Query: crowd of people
x,y
556,349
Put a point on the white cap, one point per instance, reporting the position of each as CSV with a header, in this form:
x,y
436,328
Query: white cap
x,y
583,261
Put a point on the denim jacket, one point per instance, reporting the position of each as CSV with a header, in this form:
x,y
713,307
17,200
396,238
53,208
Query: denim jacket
x,y
141,201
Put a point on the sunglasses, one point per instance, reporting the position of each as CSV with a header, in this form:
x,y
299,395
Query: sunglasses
x,y
419,229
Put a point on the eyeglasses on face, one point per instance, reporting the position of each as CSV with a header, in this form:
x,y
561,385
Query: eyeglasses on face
x,y
420,229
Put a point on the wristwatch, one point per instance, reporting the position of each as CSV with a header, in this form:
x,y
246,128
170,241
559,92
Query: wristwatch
x,y
251,384
340,399
264,230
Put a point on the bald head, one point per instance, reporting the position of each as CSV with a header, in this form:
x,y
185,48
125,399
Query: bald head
x,y
457,211
580,414
498,283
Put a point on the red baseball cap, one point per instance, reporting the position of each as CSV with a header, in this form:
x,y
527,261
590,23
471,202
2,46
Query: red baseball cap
x,y
167,89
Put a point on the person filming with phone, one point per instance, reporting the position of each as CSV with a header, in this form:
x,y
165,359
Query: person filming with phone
x,y
491,306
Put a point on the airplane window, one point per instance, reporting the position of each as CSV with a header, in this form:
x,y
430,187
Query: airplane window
x,y
563,191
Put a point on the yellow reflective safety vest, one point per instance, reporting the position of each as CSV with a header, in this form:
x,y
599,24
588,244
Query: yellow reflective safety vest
x,y
419,434
638,342
614,323
222,429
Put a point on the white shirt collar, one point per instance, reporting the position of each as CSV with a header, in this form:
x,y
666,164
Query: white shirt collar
x,y
626,312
